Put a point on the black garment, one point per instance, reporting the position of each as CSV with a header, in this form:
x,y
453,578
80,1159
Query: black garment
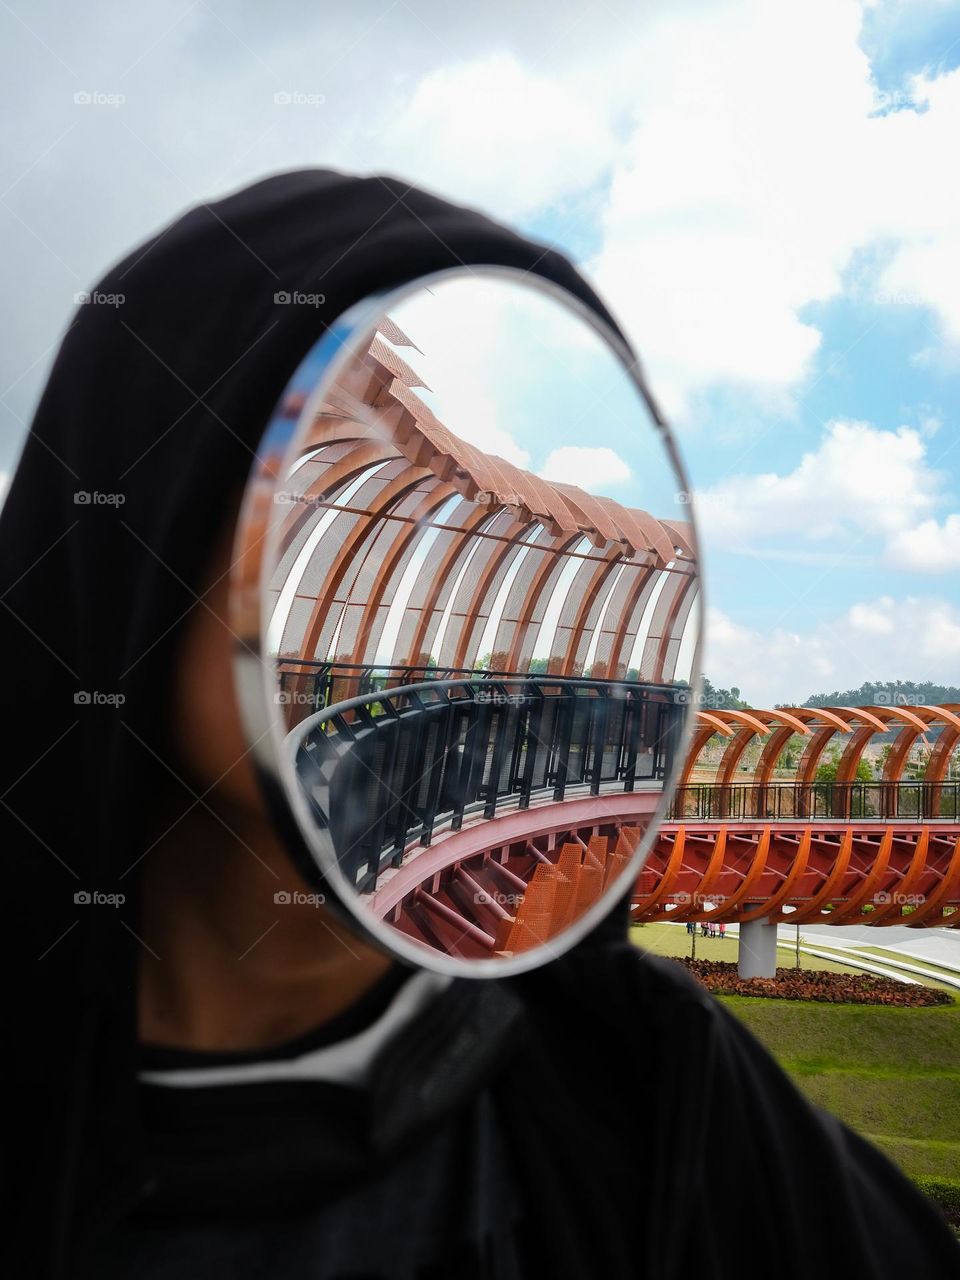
x,y
579,1100
671,1159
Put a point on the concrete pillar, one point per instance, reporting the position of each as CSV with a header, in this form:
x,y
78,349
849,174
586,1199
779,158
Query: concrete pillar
x,y
757,956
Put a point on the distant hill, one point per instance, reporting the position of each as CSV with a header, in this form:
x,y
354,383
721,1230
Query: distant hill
x,y
889,693
713,699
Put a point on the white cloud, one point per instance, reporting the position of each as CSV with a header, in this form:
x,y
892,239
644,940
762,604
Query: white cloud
x,y
873,618
591,469
500,133
731,153
859,481
912,638
745,166
756,168
929,547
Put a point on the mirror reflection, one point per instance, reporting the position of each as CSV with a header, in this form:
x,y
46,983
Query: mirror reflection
x,y
481,607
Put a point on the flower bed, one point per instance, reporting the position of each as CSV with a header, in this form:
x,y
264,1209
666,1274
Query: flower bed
x,y
721,977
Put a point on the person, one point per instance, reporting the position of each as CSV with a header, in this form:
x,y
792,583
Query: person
x,y
192,1091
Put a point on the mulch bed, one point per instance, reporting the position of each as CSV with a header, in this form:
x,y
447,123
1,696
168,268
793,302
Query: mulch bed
x,y
721,976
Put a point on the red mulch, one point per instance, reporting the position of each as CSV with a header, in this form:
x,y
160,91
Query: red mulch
x,y
721,977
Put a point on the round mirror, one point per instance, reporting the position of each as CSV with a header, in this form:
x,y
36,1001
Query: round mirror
x,y
467,589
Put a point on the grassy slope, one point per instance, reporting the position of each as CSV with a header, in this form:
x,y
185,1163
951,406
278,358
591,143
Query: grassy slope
x,y
891,1074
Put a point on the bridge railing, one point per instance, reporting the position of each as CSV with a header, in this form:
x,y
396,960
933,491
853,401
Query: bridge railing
x,y
386,769
307,685
840,801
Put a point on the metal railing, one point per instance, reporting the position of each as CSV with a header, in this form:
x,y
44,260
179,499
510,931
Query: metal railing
x,y
307,685
841,801
386,769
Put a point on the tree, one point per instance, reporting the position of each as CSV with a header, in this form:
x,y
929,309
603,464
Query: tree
x,y
715,699
827,770
887,693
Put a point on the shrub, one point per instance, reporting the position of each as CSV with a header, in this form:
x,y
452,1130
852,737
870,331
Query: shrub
x,y
944,1192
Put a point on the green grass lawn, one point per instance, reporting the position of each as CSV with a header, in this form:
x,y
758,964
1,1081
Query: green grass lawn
x,y
891,1074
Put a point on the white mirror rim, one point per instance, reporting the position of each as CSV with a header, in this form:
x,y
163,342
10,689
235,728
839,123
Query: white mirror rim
x,y
254,666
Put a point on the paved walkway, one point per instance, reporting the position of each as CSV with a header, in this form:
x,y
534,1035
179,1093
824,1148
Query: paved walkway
x,y
937,946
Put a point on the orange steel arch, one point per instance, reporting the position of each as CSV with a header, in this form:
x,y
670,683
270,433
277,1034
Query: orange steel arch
x,y
819,725
791,871
743,737
945,715
708,724
775,744
398,552
940,756
864,873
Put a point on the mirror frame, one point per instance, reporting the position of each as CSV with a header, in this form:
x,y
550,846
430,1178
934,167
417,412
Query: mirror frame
x,y
255,678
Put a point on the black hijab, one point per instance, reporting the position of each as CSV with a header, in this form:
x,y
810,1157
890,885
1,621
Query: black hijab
x,y
163,384
610,1073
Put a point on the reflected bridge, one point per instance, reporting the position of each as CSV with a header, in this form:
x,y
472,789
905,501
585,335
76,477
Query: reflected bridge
x,y
456,804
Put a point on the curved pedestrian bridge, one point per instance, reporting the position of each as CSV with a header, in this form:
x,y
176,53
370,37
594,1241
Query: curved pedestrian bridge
x,y
488,807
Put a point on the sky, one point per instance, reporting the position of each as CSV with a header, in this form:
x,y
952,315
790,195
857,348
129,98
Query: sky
x,y
765,194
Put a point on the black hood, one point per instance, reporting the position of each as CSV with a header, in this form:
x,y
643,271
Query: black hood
x,y
146,429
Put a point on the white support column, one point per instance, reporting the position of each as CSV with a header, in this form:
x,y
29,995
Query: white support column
x,y
757,957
